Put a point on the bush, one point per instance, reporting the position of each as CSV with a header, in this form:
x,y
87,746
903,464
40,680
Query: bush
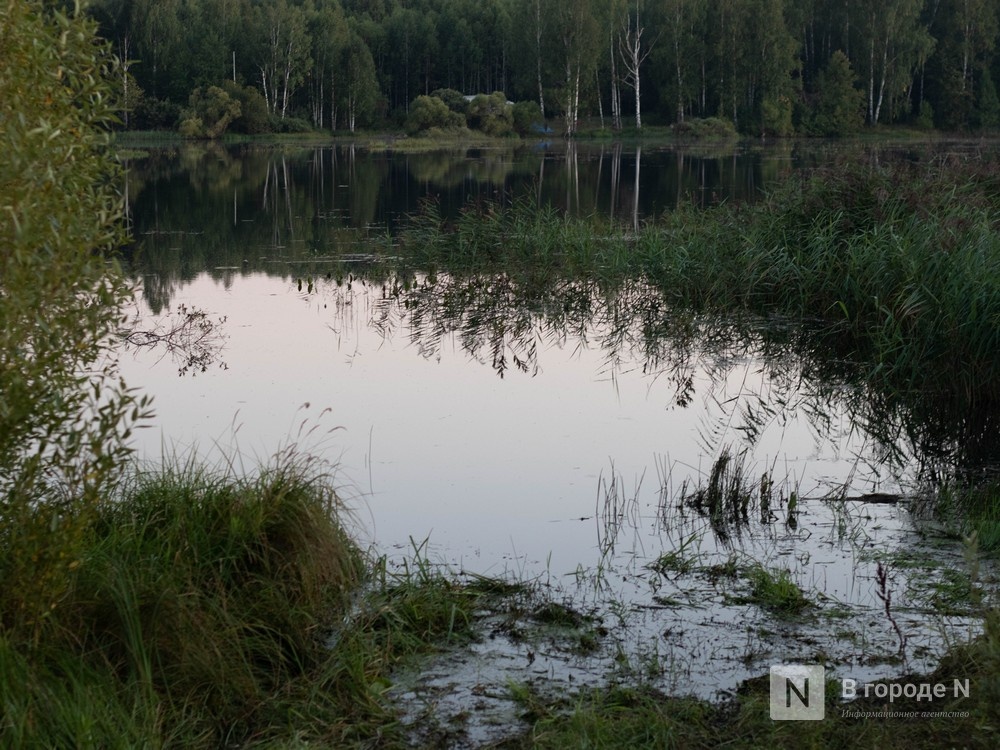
x,y
209,113
527,117
428,112
63,410
708,128
455,100
155,114
289,125
254,118
776,116
491,114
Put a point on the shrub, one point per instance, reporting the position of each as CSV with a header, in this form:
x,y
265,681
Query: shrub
x,y
776,116
709,127
155,114
289,125
455,100
491,114
526,117
209,113
63,410
254,118
428,112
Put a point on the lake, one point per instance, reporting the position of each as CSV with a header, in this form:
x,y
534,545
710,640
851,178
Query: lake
x,y
554,436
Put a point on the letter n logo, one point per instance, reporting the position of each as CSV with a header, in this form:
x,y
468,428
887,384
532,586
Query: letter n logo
x,y
798,692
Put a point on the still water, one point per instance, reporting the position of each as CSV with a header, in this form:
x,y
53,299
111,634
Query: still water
x,y
546,439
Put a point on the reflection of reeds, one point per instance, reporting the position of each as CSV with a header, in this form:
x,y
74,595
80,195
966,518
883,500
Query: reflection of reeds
x,y
615,507
732,493
891,272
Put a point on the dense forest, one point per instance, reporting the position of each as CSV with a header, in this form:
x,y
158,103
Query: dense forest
x,y
779,67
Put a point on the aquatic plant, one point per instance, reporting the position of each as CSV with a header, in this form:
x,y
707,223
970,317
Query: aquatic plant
x,y
733,494
775,590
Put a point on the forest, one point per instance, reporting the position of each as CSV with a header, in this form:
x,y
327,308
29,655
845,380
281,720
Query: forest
x,y
768,67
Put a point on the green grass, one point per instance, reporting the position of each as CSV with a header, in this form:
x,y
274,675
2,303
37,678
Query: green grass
x,y
972,510
620,717
198,602
775,590
208,610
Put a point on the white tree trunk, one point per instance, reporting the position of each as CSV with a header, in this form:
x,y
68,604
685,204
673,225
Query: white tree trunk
x,y
630,48
538,55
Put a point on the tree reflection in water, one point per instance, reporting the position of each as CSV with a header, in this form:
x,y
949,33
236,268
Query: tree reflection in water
x,y
507,320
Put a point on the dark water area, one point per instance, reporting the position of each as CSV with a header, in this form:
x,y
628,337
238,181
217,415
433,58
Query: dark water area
x,y
348,186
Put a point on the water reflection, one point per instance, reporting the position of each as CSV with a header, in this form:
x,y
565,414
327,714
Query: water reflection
x,y
495,462
205,205
507,320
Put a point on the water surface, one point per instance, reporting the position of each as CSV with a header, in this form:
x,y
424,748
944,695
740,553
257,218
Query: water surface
x,y
543,436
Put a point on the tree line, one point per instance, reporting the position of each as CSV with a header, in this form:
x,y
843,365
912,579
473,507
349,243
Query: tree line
x,y
779,67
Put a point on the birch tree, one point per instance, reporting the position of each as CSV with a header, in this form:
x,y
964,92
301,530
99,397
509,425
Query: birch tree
x,y
283,53
578,34
358,93
894,41
682,55
633,55
328,34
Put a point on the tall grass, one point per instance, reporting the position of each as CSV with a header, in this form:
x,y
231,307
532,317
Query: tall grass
x,y
199,604
214,610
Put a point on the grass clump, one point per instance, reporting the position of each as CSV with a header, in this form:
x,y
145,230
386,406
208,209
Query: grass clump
x,y
198,612
209,610
775,590
733,493
617,716
972,510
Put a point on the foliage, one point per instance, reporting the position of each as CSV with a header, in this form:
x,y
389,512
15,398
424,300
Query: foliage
x,y
454,99
839,110
491,114
253,118
428,112
988,110
708,128
156,114
526,116
63,413
776,116
209,113
357,90
749,61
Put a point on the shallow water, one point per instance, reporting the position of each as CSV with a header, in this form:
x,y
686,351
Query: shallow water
x,y
569,474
